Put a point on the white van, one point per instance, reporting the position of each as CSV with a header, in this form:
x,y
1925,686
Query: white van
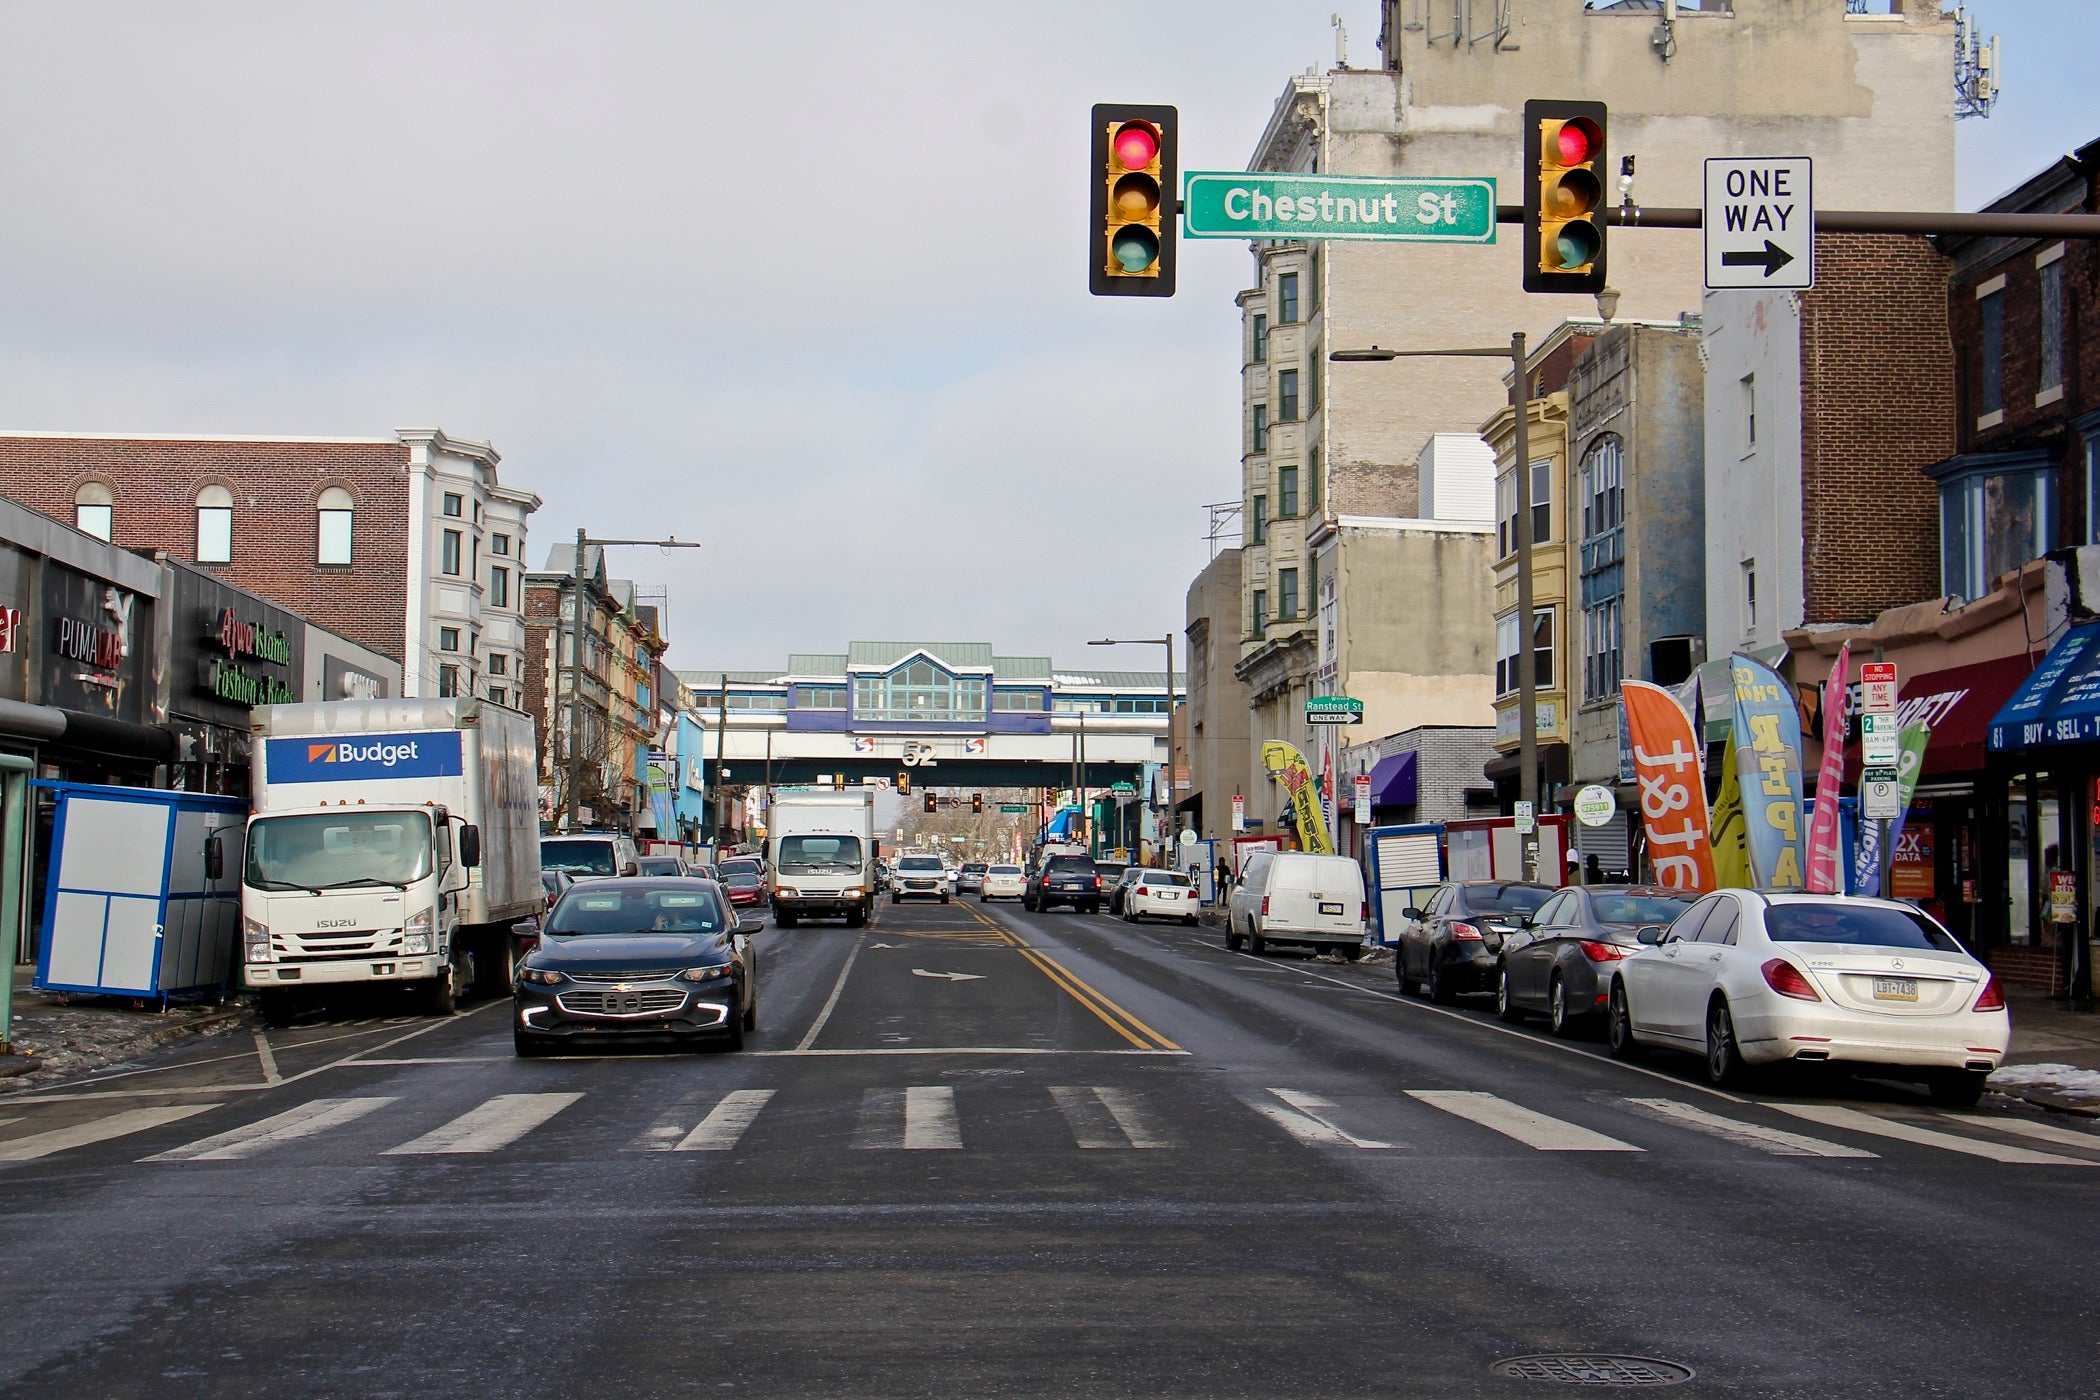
x,y
1314,901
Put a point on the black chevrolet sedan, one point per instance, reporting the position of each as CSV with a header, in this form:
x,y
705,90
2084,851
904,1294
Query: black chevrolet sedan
x,y
639,959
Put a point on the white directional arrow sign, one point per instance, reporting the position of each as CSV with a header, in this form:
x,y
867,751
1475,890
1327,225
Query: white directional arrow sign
x,y
1760,222
947,976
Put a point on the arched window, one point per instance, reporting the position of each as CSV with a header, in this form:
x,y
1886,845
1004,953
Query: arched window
x,y
94,510
215,525
333,530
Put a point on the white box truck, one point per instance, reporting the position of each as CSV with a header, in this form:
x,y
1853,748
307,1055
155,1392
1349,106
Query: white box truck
x,y
392,841
820,845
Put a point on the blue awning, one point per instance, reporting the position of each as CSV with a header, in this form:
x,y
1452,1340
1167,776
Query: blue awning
x,y
1061,824
1393,781
2060,702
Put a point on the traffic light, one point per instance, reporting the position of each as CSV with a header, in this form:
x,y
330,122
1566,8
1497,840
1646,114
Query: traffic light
x,y
838,782
977,802
904,784
1564,196
932,803
1130,251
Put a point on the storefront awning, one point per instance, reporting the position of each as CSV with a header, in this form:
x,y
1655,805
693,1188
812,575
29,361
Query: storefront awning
x,y
1957,705
2059,703
1061,824
1393,781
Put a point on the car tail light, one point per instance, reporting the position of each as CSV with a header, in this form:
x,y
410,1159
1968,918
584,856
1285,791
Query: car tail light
x,y
1265,906
1363,914
1786,979
1603,952
1097,882
1993,998
1464,933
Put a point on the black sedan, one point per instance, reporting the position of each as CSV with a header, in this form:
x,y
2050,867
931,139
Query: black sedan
x,y
1559,964
638,959
1453,944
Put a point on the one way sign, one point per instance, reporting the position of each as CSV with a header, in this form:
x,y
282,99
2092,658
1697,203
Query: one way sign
x,y
1760,222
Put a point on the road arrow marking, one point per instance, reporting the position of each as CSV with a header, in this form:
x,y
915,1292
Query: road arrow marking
x,y
949,976
1772,258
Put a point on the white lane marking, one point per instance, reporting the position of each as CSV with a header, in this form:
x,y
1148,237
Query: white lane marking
x,y
2041,1132
303,1121
952,1050
947,976
269,1061
1104,1117
1837,1116
1515,1121
726,1121
130,1120
498,1123
1130,1116
929,1119
1306,1120
832,1001
1773,1140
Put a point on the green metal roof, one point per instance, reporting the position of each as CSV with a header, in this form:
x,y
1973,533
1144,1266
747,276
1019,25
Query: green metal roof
x,y
1088,679
817,663
712,680
977,655
1021,668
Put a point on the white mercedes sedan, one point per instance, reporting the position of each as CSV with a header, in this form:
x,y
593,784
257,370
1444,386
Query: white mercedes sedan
x,y
1002,882
1752,979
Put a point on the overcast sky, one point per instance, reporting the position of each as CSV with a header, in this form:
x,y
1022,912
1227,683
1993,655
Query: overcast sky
x,y
801,281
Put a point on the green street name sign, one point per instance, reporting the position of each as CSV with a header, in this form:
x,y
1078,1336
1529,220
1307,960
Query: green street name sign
x,y
1123,788
1014,808
1246,204
1334,709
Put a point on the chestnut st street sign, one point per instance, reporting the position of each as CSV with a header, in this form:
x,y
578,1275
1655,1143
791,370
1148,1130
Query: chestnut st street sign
x,y
1247,204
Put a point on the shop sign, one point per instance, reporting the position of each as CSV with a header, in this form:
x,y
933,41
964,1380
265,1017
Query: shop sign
x,y
1595,805
10,627
2063,897
342,681
94,661
224,678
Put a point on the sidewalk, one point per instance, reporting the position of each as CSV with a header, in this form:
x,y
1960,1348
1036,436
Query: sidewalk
x,y
2055,1056
58,1036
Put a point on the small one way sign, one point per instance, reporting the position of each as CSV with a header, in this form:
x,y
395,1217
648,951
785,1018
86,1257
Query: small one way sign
x,y
1760,222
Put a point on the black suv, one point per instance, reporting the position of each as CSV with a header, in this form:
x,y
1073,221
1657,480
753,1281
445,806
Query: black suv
x,y
1072,880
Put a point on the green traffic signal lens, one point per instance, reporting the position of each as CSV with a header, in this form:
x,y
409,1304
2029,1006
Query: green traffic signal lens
x,y
1136,198
1135,248
1575,245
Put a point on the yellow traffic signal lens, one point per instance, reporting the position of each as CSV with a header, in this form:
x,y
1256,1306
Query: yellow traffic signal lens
x,y
1136,198
1135,248
1136,145
1572,195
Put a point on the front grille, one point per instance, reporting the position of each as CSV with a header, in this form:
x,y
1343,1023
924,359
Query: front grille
x,y
334,947
657,975
648,1002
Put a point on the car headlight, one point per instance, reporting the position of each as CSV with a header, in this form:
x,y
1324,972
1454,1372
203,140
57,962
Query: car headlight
x,y
540,976
718,973
256,936
783,892
855,891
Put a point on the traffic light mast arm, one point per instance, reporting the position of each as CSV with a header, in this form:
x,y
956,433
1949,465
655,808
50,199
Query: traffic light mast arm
x,y
1863,221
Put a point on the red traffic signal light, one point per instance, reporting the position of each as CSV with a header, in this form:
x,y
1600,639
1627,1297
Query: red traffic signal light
x,y
1130,248
1564,207
931,802
904,784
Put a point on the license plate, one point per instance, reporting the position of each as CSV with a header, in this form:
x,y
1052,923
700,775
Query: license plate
x,y
1895,989
1330,908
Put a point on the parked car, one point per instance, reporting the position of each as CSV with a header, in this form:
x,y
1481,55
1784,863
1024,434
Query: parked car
x,y
673,867
1111,871
1072,880
745,879
556,883
1123,881
971,880
1453,944
919,877
1754,979
1159,894
1295,897
638,959
1002,882
1558,964
590,855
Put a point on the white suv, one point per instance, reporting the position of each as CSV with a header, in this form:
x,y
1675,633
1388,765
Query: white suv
x,y
919,877
591,855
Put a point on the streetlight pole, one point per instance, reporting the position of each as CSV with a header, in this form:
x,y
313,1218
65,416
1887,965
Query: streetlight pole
x,y
1166,814
1527,667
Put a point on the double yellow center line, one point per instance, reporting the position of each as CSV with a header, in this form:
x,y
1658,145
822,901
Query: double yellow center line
x,y
1113,1016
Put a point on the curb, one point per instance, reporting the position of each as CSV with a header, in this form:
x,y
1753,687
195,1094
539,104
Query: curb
x,y
2041,1097
12,1078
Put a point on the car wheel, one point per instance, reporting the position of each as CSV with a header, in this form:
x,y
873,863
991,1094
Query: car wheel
x,y
1724,1062
528,1047
496,975
857,918
736,1033
1256,944
1351,952
1094,908
1440,990
1505,1005
895,897
1409,987
1618,1032
1189,919
1564,1022
944,899
1959,1088
751,1014
1232,937
277,1008
786,920
441,998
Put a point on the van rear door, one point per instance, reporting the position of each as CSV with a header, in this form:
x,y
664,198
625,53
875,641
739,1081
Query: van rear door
x,y
1317,894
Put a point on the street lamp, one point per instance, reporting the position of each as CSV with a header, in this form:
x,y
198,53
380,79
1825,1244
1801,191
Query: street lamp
x,y
1167,642
1527,678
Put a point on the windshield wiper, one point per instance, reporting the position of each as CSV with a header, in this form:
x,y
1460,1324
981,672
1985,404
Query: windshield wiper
x,y
362,880
287,885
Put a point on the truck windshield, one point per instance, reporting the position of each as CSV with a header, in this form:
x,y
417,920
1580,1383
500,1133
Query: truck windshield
x,y
578,857
337,851
815,854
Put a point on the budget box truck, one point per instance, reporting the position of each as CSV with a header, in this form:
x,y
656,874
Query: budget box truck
x,y
392,841
820,850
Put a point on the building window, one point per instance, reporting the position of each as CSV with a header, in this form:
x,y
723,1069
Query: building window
x,y
499,544
1541,507
1261,520
450,561
820,697
499,587
1287,299
920,691
1021,701
1286,595
1993,521
454,503
1261,339
448,639
1602,665
335,519
1748,394
1314,501
474,557
1541,652
1286,493
1261,427
498,695
499,663
1261,612
2051,290
1990,385
1749,596
94,510
1312,386
448,682
1603,486
215,525
1287,396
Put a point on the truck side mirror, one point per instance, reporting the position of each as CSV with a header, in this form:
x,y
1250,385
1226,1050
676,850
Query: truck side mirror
x,y
470,846
214,858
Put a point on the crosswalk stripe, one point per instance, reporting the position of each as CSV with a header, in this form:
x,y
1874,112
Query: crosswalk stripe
x,y
1515,1121
131,1120
726,1121
2041,1132
1837,1116
1306,1120
498,1123
926,1113
303,1121
1105,1117
1774,1140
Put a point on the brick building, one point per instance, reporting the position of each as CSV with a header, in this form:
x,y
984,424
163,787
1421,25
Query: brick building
x,y
405,544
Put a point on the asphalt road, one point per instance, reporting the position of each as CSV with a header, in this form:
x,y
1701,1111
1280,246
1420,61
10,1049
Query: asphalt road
x,y
987,1153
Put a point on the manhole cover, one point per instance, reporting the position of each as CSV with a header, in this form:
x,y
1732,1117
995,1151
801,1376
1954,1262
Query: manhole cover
x,y
1579,1369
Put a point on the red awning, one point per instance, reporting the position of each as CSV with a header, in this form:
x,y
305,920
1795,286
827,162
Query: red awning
x,y
1958,704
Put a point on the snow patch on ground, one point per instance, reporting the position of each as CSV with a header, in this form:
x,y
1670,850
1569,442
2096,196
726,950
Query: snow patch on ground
x,y
2071,1082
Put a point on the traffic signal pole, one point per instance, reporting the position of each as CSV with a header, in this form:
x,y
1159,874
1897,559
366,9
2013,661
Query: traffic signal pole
x,y
1863,221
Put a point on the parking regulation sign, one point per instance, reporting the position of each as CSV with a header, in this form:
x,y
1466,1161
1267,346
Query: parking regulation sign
x,y
1759,222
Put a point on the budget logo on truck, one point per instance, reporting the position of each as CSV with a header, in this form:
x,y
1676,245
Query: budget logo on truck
x,y
424,755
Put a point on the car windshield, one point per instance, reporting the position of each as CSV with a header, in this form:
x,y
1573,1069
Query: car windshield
x,y
1638,908
971,867
732,868
1507,899
1069,865
1165,877
578,857
1004,870
816,854
659,865
1866,925
591,912
333,852
920,865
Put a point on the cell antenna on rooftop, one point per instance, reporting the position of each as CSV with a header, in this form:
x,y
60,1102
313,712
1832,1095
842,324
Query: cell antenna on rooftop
x,y
1341,41
1975,68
